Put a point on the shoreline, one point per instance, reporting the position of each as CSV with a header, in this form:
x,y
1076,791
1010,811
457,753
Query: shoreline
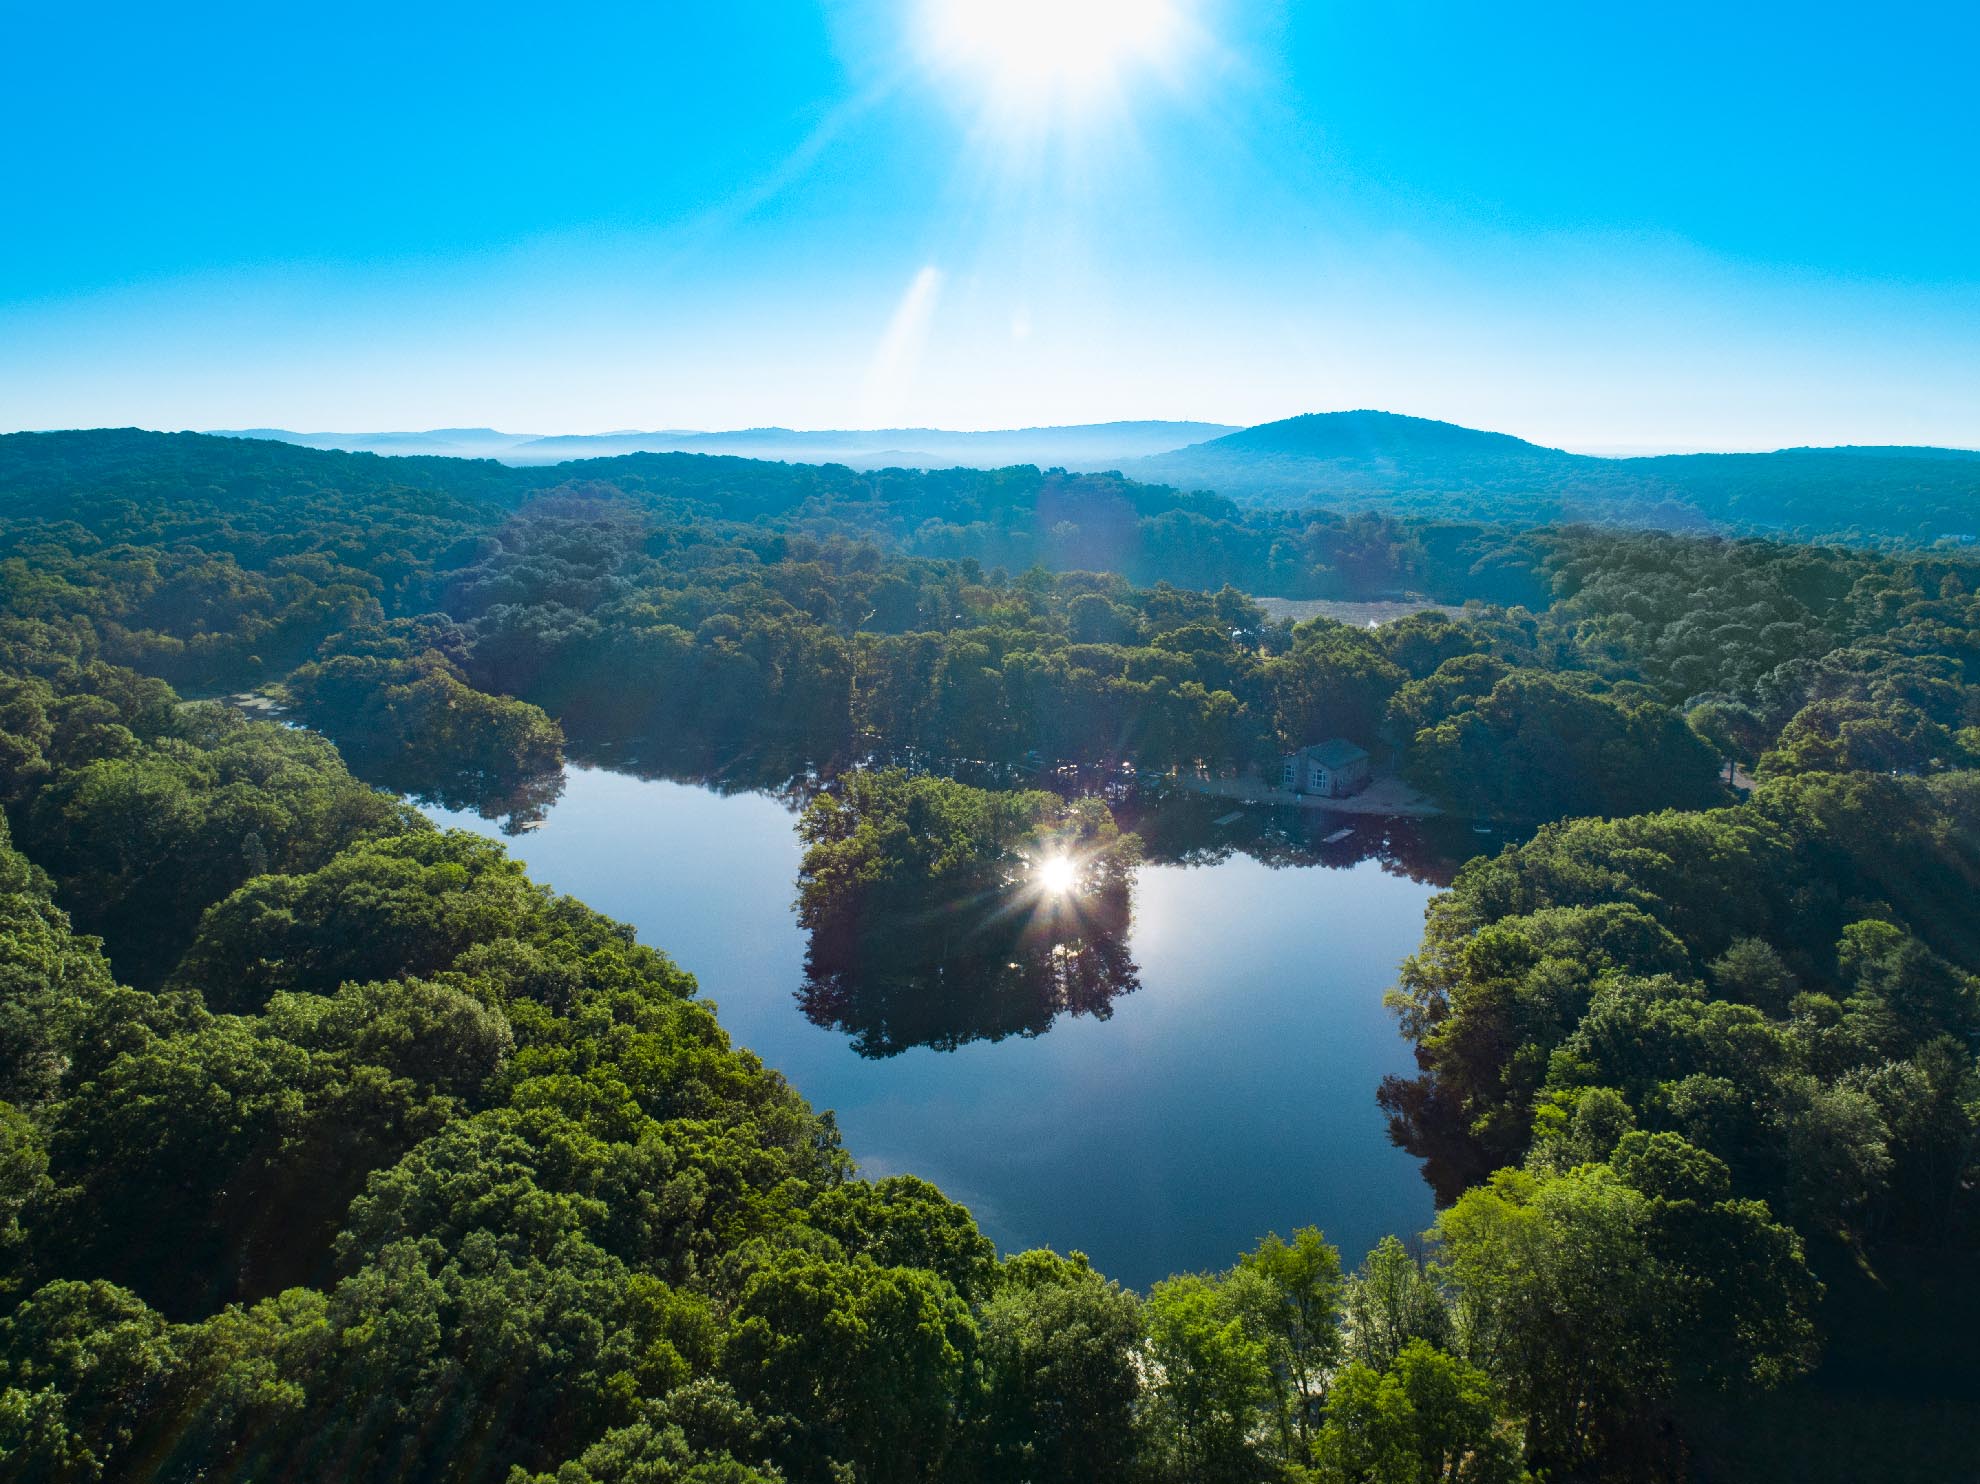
x,y
1387,795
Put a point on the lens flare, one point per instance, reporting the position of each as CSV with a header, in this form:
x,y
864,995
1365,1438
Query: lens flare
x,y
1056,875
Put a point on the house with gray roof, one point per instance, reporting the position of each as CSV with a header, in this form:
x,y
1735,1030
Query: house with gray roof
x,y
1332,769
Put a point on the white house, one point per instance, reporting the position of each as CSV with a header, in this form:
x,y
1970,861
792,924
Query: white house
x,y
1333,769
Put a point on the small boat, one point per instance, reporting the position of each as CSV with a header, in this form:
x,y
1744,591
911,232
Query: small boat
x,y
1338,836
1481,829
1232,817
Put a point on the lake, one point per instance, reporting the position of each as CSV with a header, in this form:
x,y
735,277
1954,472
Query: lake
x,y
1231,1094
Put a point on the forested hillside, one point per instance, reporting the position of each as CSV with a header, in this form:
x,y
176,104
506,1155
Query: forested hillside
x,y
1384,461
333,1146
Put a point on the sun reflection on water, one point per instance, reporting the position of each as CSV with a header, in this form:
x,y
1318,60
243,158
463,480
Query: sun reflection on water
x,y
1056,875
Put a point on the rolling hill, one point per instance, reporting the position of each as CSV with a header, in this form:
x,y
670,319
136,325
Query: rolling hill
x,y
1385,460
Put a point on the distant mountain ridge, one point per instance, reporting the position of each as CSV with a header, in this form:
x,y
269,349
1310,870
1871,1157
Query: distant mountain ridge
x,y
1380,449
453,443
1365,432
1083,446
1362,459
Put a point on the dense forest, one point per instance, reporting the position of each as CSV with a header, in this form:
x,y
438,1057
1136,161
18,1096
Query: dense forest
x,y
722,616
332,1146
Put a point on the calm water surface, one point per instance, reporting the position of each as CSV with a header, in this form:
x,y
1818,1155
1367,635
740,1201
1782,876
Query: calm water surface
x,y
1232,1094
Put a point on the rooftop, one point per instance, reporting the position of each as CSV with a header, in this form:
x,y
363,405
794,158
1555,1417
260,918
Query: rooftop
x,y
1335,752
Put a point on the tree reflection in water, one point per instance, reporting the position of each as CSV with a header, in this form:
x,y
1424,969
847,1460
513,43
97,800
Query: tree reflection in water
x,y
973,974
521,800
941,914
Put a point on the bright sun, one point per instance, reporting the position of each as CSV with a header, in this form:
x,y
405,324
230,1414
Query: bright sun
x,y
1052,46
1056,875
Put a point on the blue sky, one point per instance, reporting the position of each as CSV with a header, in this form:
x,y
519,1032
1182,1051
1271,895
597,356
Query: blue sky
x,y
1600,227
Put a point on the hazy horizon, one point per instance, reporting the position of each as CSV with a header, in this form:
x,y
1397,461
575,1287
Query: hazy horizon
x,y
1609,451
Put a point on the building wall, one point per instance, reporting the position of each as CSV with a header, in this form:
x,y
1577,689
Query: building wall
x,y
1302,774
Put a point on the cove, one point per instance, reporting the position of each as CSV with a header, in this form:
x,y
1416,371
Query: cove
x,y
1231,1094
